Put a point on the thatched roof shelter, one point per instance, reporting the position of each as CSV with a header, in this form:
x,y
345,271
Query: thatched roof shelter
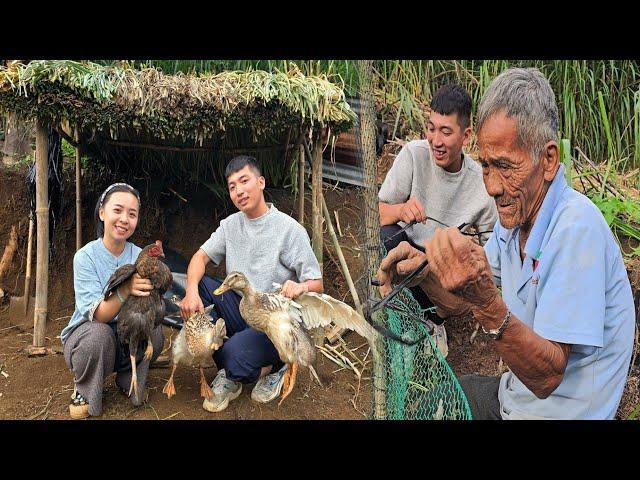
x,y
123,102
117,110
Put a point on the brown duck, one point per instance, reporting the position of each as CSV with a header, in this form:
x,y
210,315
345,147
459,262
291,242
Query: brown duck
x,y
286,322
194,346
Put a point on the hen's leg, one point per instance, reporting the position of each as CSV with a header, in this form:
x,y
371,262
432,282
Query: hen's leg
x,y
289,381
170,388
205,389
134,377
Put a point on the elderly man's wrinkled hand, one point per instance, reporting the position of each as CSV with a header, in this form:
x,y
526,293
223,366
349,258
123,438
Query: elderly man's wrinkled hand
x,y
449,305
461,267
397,265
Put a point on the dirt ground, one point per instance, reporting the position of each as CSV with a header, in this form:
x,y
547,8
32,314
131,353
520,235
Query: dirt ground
x,y
40,387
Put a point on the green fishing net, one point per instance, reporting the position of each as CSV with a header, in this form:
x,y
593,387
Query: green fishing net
x,y
415,382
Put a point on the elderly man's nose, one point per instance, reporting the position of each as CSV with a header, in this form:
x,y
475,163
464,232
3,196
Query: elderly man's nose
x,y
493,184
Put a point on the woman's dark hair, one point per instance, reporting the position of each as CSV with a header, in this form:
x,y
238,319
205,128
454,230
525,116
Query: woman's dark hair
x,y
104,198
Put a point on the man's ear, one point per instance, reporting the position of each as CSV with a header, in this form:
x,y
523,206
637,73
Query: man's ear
x,y
550,160
261,182
466,137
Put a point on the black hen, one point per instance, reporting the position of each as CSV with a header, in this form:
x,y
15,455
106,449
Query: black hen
x,y
140,315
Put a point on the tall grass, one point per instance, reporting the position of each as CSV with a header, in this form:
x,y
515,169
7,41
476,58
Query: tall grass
x,y
405,87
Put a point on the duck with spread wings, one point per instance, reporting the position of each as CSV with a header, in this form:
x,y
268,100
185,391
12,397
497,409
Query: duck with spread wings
x,y
286,321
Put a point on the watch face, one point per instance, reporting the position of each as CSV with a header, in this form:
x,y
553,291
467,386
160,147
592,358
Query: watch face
x,y
495,334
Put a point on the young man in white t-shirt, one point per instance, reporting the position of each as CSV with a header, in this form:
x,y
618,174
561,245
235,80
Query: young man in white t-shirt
x,y
267,246
433,183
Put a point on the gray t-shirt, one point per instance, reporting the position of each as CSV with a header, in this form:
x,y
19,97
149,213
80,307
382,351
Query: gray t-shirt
x,y
270,248
452,198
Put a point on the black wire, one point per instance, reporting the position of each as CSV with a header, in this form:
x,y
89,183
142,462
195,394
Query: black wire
x,y
385,332
472,234
408,225
398,288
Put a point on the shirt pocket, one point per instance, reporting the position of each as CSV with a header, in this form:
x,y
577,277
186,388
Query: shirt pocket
x,y
527,295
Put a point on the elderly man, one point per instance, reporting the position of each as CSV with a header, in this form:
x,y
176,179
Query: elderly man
x,y
564,323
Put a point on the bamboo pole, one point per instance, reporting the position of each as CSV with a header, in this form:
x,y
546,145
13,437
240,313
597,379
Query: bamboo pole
x,y
372,221
316,215
343,263
175,148
42,245
78,197
301,163
316,192
336,332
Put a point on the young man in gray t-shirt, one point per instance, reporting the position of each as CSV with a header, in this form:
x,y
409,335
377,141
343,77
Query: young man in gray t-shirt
x,y
436,179
267,246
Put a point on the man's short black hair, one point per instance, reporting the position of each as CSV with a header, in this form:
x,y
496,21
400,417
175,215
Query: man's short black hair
x,y
453,98
239,162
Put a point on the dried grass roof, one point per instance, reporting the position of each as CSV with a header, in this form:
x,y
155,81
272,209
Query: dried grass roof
x,y
195,109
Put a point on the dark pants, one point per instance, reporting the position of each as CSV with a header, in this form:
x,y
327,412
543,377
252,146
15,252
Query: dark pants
x,y
482,393
247,350
387,231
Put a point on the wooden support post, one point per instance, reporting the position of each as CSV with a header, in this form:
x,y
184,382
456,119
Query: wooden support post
x,y
372,222
336,331
42,245
316,215
316,189
78,197
301,164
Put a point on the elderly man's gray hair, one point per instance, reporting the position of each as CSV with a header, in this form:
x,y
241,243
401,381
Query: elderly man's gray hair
x,y
525,95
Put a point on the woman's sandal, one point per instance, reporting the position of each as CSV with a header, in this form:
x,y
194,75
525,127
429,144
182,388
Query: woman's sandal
x,y
78,408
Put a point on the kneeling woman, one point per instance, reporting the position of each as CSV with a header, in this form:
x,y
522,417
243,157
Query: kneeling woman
x,y
91,348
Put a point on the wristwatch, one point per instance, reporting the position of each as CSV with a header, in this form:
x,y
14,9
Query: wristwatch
x,y
496,333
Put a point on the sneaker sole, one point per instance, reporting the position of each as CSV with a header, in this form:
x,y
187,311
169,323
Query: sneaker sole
x,y
255,398
210,408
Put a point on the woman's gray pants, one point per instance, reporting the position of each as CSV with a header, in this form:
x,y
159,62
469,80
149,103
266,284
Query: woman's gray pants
x,y
91,352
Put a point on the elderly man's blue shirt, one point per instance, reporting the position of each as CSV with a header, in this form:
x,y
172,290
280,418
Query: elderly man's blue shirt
x,y
572,287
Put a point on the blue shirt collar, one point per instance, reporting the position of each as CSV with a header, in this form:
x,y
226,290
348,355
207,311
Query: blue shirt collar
x,y
544,216
545,213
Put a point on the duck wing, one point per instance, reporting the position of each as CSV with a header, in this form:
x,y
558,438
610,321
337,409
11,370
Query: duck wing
x,y
319,310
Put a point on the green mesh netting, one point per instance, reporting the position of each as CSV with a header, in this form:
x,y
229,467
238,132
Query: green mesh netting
x,y
418,383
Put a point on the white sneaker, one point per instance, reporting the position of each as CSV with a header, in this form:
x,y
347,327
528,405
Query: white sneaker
x,y
224,390
268,387
439,337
